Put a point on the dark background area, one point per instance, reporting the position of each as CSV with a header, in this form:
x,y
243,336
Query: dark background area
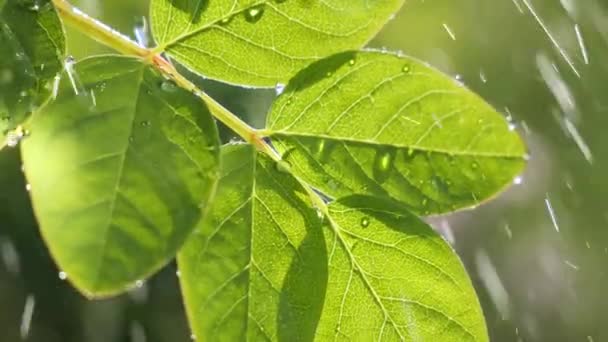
x,y
537,254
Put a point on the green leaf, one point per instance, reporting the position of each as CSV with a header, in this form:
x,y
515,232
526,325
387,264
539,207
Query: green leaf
x,y
32,48
256,268
390,126
119,173
262,43
262,267
392,278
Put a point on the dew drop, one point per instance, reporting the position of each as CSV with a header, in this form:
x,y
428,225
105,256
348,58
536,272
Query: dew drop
x,y
168,86
383,164
139,283
518,180
283,166
145,123
475,165
28,187
406,68
254,14
225,21
365,222
351,62
63,275
178,273
279,88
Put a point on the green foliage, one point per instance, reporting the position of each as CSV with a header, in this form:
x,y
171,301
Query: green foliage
x,y
390,126
119,173
262,43
256,267
263,265
31,54
316,240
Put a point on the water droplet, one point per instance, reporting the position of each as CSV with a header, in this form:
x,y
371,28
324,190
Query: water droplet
x,y
475,165
406,68
352,62
328,74
168,86
14,137
193,337
28,187
145,123
226,20
383,164
283,166
63,275
518,180
279,88
365,222
178,273
141,31
139,283
254,14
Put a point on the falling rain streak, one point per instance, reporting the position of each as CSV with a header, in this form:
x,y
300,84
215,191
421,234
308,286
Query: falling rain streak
x,y
551,213
557,46
26,317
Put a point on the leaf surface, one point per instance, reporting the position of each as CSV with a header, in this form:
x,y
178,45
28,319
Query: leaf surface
x,y
263,266
263,42
391,278
32,47
256,268
390,126
119,169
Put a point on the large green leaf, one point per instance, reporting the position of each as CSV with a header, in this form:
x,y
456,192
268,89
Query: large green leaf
x,y
391,278
381,124
263,267
32,48
256,268
119,173
263,42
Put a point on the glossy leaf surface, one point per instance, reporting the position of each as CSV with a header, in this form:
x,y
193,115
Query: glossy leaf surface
x,y
392,278
390,126
262,43
120,168
256,268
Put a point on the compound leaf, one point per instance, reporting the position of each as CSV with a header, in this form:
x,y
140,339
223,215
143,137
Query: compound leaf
x,y
390,126
262,43
119,168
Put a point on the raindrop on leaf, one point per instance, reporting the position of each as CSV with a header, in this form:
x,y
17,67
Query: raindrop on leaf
x,y
254,14
168,86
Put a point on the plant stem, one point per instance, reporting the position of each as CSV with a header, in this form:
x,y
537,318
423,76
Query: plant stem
x,y
98,30
123,44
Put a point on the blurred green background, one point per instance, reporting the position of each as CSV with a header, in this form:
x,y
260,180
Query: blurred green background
x,y
537,254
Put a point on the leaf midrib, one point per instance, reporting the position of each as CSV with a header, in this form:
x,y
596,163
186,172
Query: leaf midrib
x,y
119,177
270,133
